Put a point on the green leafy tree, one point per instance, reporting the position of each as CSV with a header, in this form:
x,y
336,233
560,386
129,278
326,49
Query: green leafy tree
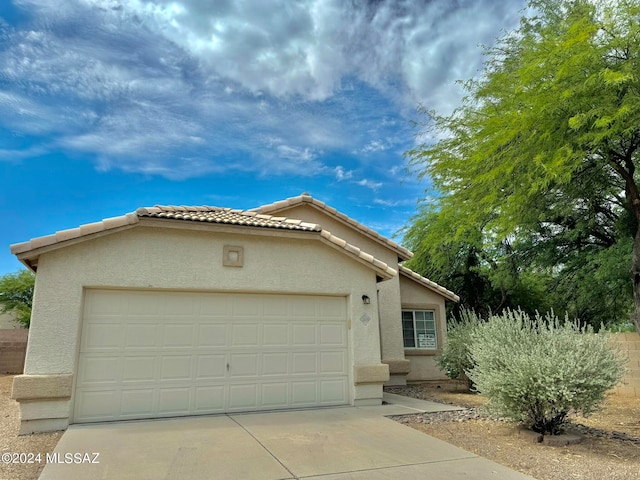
x,y
489,277
543,151
16,294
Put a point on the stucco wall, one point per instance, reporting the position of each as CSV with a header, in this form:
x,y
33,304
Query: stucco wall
x,y
416,296
388,291
167,258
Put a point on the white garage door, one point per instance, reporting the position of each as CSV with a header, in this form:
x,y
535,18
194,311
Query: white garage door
x,y
147,354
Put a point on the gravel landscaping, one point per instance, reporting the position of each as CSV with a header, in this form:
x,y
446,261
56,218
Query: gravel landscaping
x,y
610,447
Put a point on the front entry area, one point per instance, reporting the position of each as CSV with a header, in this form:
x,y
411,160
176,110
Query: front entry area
x,y
149,354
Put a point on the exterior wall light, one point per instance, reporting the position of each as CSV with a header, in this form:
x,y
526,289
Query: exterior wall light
x,y
366,300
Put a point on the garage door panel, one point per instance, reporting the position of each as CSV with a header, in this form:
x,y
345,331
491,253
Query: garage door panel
x,y
332,308
275,364
275,395
180,304
243,397
137,403
333,391
332,335
178,335
174,401
210,399
245,335
162,354
273,307
212,335
97,405
113,303
275,335
214,307
249,307
100,370
138,369
243,365
141,335
304,393
303,363
103,336
210,367
304,335
176,367
333,362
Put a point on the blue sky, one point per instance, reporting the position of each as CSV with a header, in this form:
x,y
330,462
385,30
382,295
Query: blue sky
x,y
111,105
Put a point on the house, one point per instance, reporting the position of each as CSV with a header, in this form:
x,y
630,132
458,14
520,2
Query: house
x,y
173,311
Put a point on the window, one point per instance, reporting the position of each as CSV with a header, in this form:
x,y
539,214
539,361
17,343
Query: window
x,y
419,329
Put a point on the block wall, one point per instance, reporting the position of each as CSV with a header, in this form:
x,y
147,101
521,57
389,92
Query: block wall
x,y
629,344
13,347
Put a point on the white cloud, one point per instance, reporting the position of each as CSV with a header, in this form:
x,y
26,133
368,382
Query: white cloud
x,y
374,146
395,203
155,86
369,184
342,174
8,155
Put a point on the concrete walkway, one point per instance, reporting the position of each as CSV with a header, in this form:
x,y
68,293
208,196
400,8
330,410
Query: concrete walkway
x,y
334,443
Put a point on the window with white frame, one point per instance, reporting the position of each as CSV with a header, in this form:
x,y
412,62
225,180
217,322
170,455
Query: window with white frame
x,y
419,329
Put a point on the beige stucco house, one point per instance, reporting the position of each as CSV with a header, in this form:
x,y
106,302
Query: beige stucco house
x,y
173,311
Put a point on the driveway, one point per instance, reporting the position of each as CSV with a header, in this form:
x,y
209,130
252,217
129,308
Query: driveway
x,y
327,444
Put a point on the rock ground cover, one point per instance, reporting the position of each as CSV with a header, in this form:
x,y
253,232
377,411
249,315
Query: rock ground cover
x,y
610,449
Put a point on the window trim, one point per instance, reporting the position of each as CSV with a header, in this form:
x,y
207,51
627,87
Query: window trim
x,y
413,311
440,328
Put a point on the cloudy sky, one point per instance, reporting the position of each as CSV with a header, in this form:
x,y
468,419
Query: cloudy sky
x,y
110,105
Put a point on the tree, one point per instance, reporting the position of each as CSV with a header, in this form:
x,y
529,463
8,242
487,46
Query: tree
x,y
543,151
489,277
16,294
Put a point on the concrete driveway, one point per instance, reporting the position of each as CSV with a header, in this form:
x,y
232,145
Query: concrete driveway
x,y
335,443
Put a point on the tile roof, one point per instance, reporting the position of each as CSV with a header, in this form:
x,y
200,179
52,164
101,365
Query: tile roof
x,y
204,214
428,283
306,198
226,216
73,233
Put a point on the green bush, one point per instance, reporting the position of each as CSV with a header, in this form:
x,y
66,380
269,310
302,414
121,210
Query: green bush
x,y
537,371
16,294
455,360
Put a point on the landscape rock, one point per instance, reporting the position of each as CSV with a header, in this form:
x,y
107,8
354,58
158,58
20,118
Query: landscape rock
x,y
562,440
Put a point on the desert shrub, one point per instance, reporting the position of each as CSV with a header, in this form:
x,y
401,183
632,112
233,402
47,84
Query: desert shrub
x,y
537,371
454,360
